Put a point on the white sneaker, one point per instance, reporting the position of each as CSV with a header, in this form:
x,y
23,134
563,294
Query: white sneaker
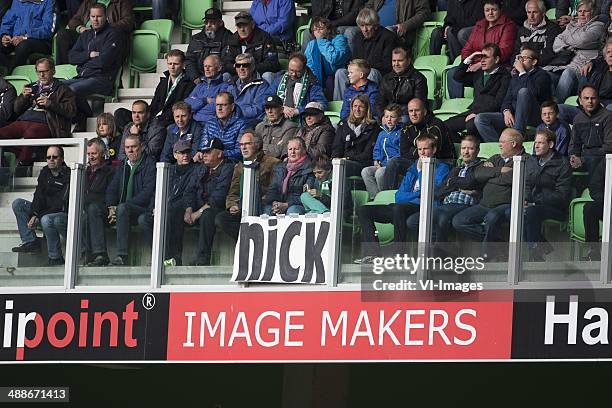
x,y
369,259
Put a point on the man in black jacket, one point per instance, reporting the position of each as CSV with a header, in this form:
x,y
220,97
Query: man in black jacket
x,y
151,134
98,55
490,85
458,23
538,32
600,75
49,208
402,84
212,40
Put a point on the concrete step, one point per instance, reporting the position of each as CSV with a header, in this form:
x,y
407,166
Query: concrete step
x,y
84,135
136,93
25,183
182,47
32,276
161,66
236,6
149,80
6,211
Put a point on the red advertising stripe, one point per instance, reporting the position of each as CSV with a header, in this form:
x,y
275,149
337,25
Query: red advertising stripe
x,y
338,326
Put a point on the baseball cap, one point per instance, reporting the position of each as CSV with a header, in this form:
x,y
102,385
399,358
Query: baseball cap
x,y
243,18
213,143
273,101
313,108
213,14
181,146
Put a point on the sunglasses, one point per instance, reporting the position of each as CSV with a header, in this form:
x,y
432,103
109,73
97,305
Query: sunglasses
x,y
52,157
242,65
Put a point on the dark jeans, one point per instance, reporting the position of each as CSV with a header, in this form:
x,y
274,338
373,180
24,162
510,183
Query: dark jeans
x,y
175,227
457,124
229,223
470,223
26,130
533,218
127,215
592,214
23,52
441,219
397,214
207,234
395,167
94,240
83,87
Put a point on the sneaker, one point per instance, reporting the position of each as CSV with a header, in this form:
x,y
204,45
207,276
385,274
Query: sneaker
x,y
57,261
28,247
369,259
120,260
99,260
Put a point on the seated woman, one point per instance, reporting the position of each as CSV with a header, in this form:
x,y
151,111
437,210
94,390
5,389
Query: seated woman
x,y
290,179
107,132
317,131
581,40
326,53
355,136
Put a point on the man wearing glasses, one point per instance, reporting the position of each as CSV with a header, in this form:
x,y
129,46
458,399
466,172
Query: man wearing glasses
x,y
49,208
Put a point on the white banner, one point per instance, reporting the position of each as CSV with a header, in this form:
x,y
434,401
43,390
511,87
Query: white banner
x,y
284,249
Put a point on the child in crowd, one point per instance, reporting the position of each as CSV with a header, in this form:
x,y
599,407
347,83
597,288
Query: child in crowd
x,y
387,147
107,131
317,199
549,112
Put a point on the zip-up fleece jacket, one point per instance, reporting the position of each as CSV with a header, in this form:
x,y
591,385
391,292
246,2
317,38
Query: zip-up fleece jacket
x,y
251,98
108,42
34,18
51,194
592,135
387,144
202,109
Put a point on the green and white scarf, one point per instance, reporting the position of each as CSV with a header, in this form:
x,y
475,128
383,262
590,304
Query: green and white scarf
x,y
282,88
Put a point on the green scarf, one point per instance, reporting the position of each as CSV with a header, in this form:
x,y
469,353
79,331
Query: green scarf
x,y
130,184
282,88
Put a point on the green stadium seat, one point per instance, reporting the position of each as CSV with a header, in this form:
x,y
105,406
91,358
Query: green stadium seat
x,y
430,76
444,114
528,146
334,117
576,220
421,44
18,81
164,28
143,56
488,149
299,33
438,16
28,71
192,12
65,71
435,62
571,100
456,62
335,106
552,14
458,105
385,231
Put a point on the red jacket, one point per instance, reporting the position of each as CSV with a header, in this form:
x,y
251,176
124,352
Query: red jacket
x,y
503,33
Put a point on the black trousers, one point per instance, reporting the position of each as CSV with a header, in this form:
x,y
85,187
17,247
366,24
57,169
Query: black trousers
x,y
395,167
397,214
229,223
23,52
207,235
592,214
457,124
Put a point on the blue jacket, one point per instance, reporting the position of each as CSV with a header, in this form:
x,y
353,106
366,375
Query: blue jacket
x,y
108,42
406,195
251,98
276,18
388,144
325,56
314,91
537,81
563,133
34,18
228,134
144,184
370,88
211,189
193,135
203,111
295,184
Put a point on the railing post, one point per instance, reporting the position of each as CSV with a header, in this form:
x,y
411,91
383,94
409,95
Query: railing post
x,y
428,172
516,219
335,228
159,223
606,237
73,231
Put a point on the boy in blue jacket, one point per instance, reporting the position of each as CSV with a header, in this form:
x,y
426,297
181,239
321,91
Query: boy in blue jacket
x,y
406,206
549,112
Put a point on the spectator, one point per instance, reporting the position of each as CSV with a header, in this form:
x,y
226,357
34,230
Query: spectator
x,y
327,52
592,132
547,193
98,174
298,87
407,203
580,42
549,112
129,194
355,136
402,84
600,75
528,89
421,121
481,222
44,110
106,131
372,43
227,127
249,89
567,11
49,208
593,212
460,19
341,14
180,176
317,200
183,129
150,133
214,39
98,55
119,15
205,196
358,71
275,17
202,97
249,39
27,28
490,84
405,20
275,130
495,28
317,131
289,179
228,221
8,94
387,147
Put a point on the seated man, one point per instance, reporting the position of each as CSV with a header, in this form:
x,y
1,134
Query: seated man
x,y
227,127
529,87
44,110
549,112
275,130
372,43
490,84
151,134
547,194
27,28
183,129
421,121
249,39
460,19
249,90
212,40
228,221
49,208
275,17
402,84
494,206
600,75
98,55
298,87
205,197
99,174
358,83
407,203
202,97
129,194
538,32
120,17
